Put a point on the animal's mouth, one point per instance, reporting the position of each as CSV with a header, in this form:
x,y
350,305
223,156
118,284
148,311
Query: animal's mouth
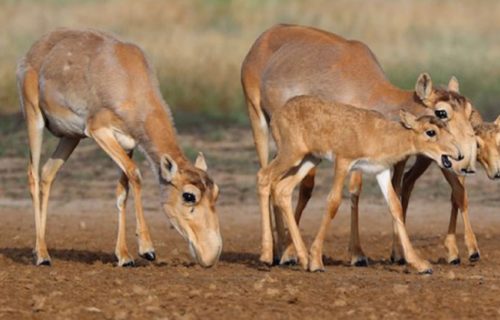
x,y
445,160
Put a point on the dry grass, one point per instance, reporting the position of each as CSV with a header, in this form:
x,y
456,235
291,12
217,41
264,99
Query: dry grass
x,y
197,46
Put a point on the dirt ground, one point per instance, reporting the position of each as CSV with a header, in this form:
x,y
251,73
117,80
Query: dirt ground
x,y
84,282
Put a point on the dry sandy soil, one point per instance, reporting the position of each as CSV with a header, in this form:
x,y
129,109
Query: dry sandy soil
x,y
84,282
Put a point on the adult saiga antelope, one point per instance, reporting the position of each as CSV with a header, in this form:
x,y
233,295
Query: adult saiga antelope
x,y
308,129
288,60
82,83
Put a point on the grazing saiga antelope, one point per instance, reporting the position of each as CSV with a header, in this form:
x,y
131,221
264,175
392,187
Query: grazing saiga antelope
x,y
308,129
83,83
288,60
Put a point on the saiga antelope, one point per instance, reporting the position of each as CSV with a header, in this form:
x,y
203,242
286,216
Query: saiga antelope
x,y
308,129
287,60
82,83
488,140
488,154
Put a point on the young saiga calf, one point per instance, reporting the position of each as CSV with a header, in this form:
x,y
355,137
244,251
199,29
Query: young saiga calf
x,y
308,129
88,84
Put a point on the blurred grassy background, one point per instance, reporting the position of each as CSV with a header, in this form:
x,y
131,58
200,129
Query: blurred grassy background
x,y
197,45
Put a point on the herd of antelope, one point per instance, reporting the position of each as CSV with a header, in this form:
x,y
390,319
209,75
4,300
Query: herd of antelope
x,y
319,95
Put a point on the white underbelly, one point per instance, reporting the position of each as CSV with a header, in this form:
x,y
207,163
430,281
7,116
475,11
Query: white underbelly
x,y
69,124
368,167
326,156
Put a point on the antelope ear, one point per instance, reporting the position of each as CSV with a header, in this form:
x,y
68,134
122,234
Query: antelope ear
x,y
168,168
453,85
497,122
468,109
408,120
423,87
200,162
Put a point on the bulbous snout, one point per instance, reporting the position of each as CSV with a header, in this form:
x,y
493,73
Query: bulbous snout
x,y
462,163
495,176
492,170
454,154
206,250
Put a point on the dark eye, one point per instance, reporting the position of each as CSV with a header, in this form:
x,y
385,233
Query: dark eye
x,y
441,114
430,133
189,197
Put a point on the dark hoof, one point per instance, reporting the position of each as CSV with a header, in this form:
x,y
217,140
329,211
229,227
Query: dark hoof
x,y
290,262
400,261
276,261
474,257
150,256
455,261
361,263
428,271
129,264
45,263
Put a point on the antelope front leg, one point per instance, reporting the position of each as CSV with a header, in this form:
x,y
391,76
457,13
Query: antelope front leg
x,y
305,192
334,199
358,257
397,177
450,241
460,200
282,196
384,181
409,179
106,140
121,250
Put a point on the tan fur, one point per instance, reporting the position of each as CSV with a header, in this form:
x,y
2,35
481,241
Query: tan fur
x,y
290,60
84,83
488,136
307,128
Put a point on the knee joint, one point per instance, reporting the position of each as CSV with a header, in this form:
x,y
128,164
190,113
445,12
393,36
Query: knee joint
x,y
135,177
32,176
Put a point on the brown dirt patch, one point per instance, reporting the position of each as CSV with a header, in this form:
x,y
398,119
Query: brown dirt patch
x,y
84,282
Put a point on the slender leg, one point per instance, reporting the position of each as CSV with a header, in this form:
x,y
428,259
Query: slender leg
x,y
266,176
384,181
397,177
281,233
28,94
121,250
358,257
261,138
334,200
260,132
34,121
106,140
64,149
460,200
450,241
282,195
409,179
305,192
